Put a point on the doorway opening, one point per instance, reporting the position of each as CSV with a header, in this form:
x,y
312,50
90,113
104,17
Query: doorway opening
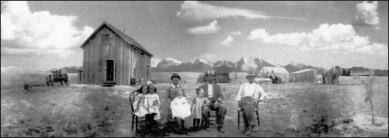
x,y
110,70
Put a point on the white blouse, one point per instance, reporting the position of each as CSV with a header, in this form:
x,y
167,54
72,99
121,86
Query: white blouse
x,y
247,89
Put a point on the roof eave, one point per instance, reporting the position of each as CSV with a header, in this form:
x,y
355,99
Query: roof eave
x,y
94,33
114,31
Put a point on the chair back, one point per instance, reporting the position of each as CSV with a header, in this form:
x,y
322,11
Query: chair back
x,y
131,98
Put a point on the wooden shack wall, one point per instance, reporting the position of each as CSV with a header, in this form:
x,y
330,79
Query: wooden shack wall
x,y
126,57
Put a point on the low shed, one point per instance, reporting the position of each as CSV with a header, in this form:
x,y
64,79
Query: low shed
x,y
305,75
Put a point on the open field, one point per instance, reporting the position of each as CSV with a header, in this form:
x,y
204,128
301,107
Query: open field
x,y
164,77
291,109
191,77
14,80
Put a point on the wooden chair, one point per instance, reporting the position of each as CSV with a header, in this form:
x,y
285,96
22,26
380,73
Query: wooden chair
x,y
212,116
135,119
241,111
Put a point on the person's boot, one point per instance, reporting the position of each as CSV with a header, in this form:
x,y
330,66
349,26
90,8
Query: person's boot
x,y
220,129
248,132
256,128
206,125
202,123
194,123
246,128
183,130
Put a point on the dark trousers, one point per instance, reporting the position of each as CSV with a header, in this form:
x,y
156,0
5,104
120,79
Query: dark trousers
x,y
220,114
248,105
151,124
150,119
180,124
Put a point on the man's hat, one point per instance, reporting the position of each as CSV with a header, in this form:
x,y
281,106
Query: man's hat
x,y
251,74
210,73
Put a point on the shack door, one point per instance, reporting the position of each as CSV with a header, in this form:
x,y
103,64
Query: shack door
x,y
110,70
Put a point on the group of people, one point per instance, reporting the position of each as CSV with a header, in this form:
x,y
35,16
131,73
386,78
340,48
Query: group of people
x,y
209,97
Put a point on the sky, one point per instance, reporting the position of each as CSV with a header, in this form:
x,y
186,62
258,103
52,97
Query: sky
x,y
40,35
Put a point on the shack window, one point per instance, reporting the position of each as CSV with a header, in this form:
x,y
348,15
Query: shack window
x,y
106,39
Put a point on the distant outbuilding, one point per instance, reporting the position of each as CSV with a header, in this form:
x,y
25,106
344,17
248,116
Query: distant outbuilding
x,y
278,71
305,75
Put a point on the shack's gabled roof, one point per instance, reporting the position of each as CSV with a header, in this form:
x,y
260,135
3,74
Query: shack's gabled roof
x,y
301,71
122,35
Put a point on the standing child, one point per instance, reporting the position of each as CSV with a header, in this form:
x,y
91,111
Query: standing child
x,y
198,102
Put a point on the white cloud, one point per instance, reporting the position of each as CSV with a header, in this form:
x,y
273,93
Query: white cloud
x,y
335,37
293,39
195,10
10,70
367,13
227,41
40,30
34,51
212,27
236,33
173,60
211,57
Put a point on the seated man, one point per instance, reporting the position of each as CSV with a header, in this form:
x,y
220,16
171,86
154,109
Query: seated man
x,y
213,93
248,97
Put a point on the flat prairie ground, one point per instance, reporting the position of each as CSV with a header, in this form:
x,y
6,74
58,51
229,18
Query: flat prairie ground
x,y
290,109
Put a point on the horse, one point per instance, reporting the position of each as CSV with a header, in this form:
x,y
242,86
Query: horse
x,y
332,76
275,79
337,71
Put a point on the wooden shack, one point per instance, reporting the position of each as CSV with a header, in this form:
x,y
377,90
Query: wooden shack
x,y
111,56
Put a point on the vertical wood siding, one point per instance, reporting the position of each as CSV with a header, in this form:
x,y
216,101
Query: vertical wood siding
x,y
126,58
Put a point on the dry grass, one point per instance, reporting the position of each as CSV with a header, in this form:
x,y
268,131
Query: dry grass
x,y
61,111
97,111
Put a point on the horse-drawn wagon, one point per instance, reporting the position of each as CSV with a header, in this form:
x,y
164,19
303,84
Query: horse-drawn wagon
x,y
57,76
45,78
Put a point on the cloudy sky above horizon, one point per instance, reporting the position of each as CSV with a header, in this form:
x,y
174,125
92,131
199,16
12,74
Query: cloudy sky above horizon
x,y
40,35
